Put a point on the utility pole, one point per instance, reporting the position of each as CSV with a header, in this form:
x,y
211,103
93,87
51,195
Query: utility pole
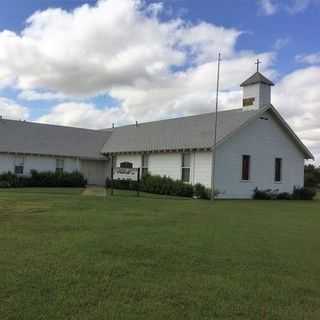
x,y
215,133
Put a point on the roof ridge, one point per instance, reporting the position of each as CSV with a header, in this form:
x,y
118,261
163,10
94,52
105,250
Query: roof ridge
x,y
49,125
176,118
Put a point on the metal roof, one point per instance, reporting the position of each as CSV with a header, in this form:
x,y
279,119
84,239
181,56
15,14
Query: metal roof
x,y
35,138
193,132
188,133
256,78
185,133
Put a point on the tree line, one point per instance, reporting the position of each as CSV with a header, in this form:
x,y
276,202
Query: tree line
x,y
312,176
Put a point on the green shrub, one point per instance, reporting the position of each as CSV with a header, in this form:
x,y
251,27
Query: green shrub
x,y
43,179
263,194
298,194
284,196
156,185
200,191
303,194
166,186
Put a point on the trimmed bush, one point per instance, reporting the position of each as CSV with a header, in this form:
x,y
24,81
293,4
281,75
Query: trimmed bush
x,y
43,179
303,194
200,191
298,194
166,186
264,194
162,185
284,196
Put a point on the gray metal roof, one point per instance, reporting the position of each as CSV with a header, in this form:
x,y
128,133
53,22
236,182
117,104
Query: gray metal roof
x,y
194,132
35,138
186,133
257,78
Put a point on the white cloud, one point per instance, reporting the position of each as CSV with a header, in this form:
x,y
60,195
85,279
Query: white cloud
x,y
313,58
154,68
158,69
297,97
297,6
280,43
268,7
271,7
11,110
90,50
32,95
84,115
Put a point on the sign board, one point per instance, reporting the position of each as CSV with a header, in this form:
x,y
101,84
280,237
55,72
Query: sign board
x,y
126,174
248,102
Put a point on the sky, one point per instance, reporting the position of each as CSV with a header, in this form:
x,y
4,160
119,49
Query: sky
x,y
89,63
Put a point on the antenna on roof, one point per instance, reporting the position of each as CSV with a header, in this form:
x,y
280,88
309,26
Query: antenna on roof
x,y
215,132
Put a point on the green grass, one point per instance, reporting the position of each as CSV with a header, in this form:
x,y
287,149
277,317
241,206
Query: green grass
x,y
68,256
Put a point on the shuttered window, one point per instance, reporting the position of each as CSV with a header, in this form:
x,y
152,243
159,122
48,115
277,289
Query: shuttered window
x,y
245,167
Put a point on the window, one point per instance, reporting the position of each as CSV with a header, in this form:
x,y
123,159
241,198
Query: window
x,y
19,165
145,164
245,167
59,165
278,170
126,164
185,167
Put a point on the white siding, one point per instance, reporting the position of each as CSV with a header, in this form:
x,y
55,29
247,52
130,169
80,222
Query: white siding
x,y
7,162
202,168
165,164
263,140
260,92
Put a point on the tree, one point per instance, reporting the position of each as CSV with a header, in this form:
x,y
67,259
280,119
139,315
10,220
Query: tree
x,y
311,176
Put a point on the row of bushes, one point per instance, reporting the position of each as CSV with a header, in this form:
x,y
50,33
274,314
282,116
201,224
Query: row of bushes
x,y
297,194
42,179
164,186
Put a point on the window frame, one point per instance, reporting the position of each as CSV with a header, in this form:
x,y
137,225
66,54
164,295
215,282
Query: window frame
x,y
59,168
246,168
185,167
19,162
144,164
278,170
126,165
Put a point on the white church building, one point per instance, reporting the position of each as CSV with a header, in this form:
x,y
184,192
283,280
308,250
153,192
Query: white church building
x,y
255,147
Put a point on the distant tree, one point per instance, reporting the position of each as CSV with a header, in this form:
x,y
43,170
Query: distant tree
x,y
311,176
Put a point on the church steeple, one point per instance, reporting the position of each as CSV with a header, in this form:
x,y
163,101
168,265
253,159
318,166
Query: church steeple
x,y
256,91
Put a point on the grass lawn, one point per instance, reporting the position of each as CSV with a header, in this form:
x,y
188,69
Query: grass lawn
x,y
64,255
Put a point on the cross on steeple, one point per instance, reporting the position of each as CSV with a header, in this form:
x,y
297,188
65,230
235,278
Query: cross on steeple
x,y
258,63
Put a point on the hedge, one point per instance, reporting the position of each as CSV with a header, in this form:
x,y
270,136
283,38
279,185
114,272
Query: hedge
x,y
297,194
164,186
43,179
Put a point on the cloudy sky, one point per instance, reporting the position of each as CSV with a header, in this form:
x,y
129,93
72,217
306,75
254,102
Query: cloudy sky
x,y
93,63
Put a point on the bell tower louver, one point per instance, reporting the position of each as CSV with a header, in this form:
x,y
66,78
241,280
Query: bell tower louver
x,y
256,91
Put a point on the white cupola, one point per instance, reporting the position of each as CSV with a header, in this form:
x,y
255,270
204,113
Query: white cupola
x,y
256,91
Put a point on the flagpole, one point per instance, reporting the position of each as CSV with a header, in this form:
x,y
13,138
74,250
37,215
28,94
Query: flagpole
x,y
215,133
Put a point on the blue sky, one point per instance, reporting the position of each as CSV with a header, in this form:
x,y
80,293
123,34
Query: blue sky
x,y
121,61
300,29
